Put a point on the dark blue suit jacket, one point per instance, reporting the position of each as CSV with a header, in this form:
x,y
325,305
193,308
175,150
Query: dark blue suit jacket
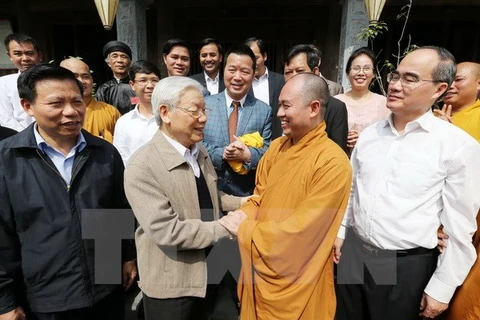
x,y
255,116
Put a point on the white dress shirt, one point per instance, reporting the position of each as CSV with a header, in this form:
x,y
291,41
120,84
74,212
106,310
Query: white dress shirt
x,y
406,185
260,88
12,114
132,131
212,84
190,155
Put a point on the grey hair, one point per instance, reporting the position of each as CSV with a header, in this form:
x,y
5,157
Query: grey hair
x,y
169,91
108,57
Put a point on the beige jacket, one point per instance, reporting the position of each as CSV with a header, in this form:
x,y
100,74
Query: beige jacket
x,y
161,188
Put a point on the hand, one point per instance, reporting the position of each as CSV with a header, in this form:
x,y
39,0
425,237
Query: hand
x,y
430,307
352,138
442,240
244,200
232,221
237,151
445,113
129,273
337,246
15,314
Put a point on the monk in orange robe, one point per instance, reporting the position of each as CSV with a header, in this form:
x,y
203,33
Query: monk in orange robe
x,y
461,100
101,117
302,187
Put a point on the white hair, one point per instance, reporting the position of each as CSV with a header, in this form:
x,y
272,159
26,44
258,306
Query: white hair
x,y
169,91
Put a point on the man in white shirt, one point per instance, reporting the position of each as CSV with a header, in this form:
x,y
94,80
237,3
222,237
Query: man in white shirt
x,y
211,57
138,126
412,173
267,84
24,53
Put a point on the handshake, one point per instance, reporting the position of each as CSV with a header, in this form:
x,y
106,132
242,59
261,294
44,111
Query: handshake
x,y
232,221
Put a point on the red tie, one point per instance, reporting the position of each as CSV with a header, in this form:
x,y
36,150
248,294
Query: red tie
x,y
233,119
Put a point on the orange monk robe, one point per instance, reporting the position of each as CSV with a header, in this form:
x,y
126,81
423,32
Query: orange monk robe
x,y
100,119
292,221
468,120
465,304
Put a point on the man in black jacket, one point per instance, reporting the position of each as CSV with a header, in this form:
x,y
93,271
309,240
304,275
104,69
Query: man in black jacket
x,y
117,91
304,58
49,173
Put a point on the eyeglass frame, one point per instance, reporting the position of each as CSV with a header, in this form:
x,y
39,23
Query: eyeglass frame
x,y
152,81
410,84
196,117
370,69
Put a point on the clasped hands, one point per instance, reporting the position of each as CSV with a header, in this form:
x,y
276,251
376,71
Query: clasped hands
x,y
232,221
237,151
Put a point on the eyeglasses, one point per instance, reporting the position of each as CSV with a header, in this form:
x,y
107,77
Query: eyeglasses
x,y
197,114
357,69
407,80
143,82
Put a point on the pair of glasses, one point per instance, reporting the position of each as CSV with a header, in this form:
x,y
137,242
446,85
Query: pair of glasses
x,y
195,114
143,82
409,81
357,69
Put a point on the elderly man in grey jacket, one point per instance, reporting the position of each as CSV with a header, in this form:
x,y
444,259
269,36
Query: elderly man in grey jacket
x,y
172,187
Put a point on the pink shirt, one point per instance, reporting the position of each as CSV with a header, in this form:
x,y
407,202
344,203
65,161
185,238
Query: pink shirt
x,y
363,115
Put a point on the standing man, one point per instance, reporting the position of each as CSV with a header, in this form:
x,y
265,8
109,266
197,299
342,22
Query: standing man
x,y
24,53
49,173
234,113
138,126
211,57
303,58
301,192
101,117
462,106
176,56
266,84
412,173
117,91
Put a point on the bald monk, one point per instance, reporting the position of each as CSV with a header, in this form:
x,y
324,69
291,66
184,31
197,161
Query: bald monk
x,y
101,117
462,106
463,110
302,187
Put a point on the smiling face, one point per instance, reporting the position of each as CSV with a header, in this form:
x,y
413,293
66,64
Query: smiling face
x,y
143,85
210,59
182,125
82,72
361,73
177,61
23,55
465,88
238,75
58,109
412,101
298,64
119,62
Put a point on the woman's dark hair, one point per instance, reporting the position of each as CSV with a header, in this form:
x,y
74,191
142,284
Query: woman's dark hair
x,y
365,51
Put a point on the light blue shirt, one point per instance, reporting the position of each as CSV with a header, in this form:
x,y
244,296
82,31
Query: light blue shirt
x,y
63,163
230,108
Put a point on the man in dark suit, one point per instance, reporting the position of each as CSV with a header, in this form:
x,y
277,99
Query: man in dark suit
x,y
234,113
303,58
211,57
267,84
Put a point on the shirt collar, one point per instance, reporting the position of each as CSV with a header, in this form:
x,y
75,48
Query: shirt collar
x,y
41,143
137,113
230,100
207,78
425,122
181,148
265,76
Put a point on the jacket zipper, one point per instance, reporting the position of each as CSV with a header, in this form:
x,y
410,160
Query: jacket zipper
x,y
54,169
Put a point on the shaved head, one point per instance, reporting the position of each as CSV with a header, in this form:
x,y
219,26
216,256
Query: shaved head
x,y
465,88
82,72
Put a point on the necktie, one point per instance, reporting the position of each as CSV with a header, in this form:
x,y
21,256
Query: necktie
x,y
233,119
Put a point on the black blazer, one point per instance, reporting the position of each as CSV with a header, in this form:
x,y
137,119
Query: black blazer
x,y
200,77
336,119
275,85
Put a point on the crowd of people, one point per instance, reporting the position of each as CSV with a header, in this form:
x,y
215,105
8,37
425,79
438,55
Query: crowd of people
x,y
256,195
